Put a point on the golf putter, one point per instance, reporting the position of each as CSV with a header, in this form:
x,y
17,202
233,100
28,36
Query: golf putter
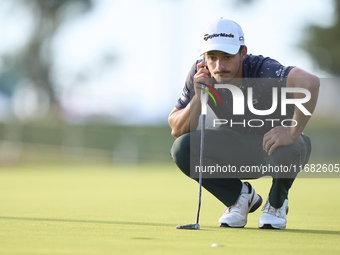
x,y
204,102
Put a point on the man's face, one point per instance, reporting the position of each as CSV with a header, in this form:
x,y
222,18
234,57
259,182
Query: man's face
x,y
224,67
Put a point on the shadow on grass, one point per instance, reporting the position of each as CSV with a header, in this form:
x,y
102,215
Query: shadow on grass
x,y
298,231
90,221
310,231
204,228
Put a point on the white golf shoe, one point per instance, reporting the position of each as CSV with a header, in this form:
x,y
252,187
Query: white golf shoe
x,y
236,215
273,218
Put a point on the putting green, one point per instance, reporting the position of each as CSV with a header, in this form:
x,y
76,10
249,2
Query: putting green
x,y
101,209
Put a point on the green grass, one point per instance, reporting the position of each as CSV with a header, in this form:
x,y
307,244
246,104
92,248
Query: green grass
x,y
101,209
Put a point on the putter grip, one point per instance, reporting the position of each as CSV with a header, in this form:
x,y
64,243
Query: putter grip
x,y
204,101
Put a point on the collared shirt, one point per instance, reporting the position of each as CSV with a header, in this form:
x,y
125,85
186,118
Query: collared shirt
x,y
260,73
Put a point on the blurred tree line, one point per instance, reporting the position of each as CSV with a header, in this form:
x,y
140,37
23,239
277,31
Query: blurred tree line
x,y
322,44
33,62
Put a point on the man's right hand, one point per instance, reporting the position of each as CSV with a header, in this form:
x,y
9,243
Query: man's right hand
x,y
202,76
186,120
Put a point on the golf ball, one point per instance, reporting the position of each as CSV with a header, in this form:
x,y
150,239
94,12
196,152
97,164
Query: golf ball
x,y
217,245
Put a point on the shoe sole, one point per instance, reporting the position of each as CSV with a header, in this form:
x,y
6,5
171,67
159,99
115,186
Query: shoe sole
x,y
225,225
269,226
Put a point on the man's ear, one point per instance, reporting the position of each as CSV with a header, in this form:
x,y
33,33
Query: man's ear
x,y
244,52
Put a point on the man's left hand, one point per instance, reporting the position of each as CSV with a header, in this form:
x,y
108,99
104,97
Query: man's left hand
x,y
278,136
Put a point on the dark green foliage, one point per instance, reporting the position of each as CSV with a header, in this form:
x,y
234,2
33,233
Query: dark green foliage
x,y
322,44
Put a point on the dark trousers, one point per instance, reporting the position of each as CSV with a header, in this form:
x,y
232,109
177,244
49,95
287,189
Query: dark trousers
x,y
228,148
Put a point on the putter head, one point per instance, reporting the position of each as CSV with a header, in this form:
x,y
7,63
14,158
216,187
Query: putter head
x,y
188,226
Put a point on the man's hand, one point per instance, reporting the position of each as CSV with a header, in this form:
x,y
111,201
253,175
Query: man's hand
x,y
278,136
202,76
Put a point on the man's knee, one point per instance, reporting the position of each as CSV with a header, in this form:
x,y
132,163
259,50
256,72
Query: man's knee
x,y
293,153
180,147
180,153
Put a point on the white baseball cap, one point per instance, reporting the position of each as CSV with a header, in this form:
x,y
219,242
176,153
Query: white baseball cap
x,y
223,35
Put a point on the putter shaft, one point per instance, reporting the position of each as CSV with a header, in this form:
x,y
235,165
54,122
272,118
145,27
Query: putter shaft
x,y
201,167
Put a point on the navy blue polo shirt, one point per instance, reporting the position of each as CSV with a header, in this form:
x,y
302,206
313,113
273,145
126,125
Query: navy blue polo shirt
x,y
260,73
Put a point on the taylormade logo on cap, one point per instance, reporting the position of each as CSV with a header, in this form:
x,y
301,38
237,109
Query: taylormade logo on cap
x,y
206,36
222,35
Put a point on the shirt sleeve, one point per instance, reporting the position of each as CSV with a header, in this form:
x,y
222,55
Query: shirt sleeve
x,y
188,90
270,68
273,74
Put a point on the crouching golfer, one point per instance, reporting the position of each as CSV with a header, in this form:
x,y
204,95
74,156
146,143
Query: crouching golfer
x,y
260,132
